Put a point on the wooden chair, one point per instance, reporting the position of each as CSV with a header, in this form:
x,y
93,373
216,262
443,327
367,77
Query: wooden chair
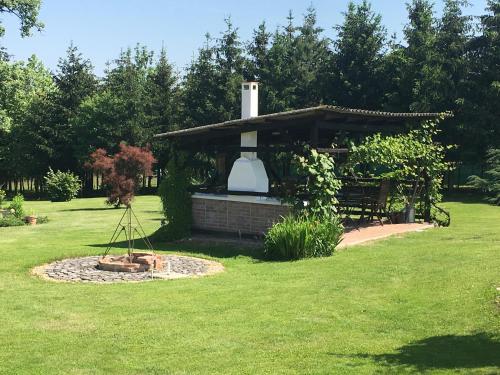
x,y
378,205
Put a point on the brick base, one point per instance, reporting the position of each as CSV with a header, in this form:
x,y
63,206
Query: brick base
x,y
231,216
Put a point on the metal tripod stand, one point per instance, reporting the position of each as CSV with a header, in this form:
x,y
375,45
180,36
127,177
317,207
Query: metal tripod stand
x,y
126,226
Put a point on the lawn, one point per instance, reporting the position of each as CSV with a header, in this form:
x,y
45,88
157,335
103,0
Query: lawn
x,y
423,302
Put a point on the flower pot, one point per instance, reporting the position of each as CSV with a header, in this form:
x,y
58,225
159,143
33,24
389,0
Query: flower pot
x,y
31,220
397,217
409,214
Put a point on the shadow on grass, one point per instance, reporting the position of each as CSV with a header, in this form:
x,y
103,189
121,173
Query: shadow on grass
x,y
213,249
92,209
468,197
443,352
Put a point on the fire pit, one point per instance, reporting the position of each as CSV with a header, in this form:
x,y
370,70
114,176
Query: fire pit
x,y
88,270
135,262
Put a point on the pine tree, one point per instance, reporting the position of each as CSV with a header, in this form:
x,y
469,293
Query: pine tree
x,y
311,55
423,71
229,65
76,81
127,81
258,65
453,33
199,89
358,58
163,102
482,111
282,81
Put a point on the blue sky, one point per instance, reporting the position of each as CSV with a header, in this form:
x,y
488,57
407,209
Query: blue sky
x,y
101,28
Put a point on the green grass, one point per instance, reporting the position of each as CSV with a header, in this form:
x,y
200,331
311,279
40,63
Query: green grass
x,y
421,303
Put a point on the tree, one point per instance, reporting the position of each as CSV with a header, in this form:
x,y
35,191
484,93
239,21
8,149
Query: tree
x,y
358,59
423,71
279,87
229,64
490,184
258,67
453,33
26,142
122,172
291,64
312,55
199,94
27,13
162,106
98,124
127,82
76,81
481,110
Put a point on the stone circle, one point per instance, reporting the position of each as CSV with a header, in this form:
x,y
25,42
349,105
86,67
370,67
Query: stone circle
x,y
84,270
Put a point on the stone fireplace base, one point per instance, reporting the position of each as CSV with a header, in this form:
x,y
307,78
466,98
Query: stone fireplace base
x,y
238,214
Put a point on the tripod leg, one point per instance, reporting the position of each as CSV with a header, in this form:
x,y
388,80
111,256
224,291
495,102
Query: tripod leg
x,y
145,238
114,233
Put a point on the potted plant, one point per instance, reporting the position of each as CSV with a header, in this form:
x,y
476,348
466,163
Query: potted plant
x,y
396,210
31,219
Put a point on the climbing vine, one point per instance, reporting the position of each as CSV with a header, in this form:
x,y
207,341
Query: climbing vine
x,y
318,186
175,196
404,156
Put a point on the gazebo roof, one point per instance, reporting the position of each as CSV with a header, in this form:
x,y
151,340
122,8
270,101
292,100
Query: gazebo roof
x,y
327,115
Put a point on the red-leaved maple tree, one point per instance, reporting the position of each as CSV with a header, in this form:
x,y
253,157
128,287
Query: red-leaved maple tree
x,y
123,171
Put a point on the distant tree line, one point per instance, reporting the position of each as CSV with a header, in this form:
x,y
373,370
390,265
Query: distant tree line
x,y
448,63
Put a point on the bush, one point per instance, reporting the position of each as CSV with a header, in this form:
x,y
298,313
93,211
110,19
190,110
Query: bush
x,y
176,200
11,221
2,197
297,237
17,205
490,184
319,183
62,186
42,220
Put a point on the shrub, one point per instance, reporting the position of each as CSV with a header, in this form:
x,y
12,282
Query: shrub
x,y
2,197
176,200
440,217
11,221
17,205
297,237
62,186
490,184
42,220
122,172
319,183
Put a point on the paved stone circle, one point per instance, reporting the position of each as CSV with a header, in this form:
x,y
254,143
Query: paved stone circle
x,y
84,270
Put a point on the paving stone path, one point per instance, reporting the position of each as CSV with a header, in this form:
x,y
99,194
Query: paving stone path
x,y
84,270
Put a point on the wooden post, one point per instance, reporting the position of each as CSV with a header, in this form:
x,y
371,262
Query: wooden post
x,y
220,166
314,135
427,198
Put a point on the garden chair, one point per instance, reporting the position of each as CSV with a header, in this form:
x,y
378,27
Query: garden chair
x,y
351,201
378,204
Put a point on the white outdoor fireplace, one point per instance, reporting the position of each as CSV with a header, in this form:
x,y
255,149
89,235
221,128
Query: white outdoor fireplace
x,y
248,172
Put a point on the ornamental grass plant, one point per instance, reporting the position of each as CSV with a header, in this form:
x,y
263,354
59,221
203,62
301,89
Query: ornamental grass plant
x,y
303,236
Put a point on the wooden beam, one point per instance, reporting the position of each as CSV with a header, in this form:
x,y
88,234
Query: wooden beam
x,y
361,128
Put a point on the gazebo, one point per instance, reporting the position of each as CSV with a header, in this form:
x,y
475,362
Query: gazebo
x,y
245,197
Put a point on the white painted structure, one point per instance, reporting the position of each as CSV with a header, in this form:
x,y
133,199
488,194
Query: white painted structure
x,y
248,172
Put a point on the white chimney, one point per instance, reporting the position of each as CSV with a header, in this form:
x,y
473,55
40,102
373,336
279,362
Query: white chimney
x,y
249,99
248,172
